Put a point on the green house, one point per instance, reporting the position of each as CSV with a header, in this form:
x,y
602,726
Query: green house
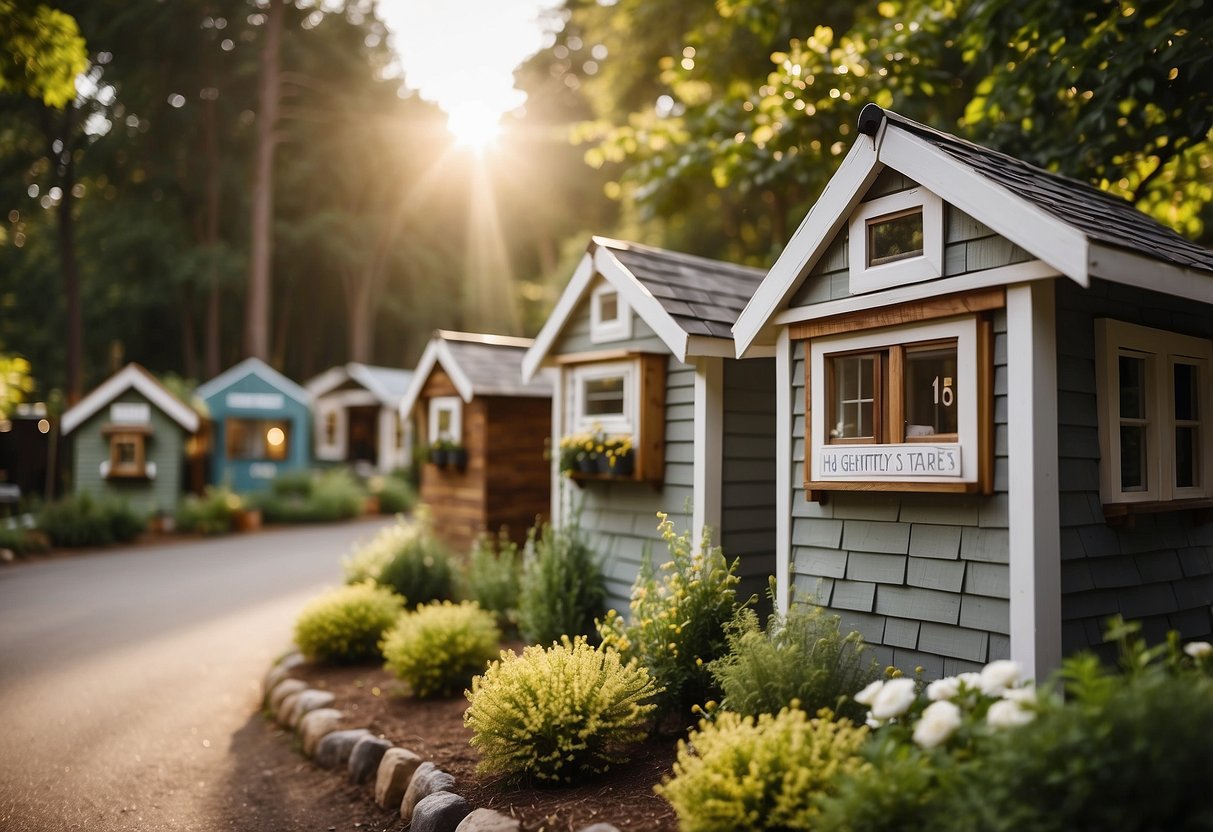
x,y
129,439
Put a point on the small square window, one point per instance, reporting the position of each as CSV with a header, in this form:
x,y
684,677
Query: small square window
x,y
608,307
895,237
128,453
610,317
605,395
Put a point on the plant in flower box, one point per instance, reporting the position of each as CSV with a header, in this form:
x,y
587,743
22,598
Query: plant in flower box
x,y
619,455
446,453
583,452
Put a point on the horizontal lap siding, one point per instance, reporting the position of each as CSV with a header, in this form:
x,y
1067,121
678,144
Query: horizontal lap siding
x,y
458,498
517,479
1160,570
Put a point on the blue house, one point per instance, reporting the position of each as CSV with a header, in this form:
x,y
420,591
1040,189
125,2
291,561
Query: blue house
x,y
262,425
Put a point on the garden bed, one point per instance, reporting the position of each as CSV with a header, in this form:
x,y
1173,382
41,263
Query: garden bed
x,y
434,729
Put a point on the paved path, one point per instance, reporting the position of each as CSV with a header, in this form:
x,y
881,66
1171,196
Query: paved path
x,y
129,678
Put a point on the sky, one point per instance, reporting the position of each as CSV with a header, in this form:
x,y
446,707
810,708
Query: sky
x,y
462,54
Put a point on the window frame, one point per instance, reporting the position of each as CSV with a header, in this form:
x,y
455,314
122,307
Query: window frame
x,y
258,425
911,269
438,404
628,420
1162,350
134,470
609,329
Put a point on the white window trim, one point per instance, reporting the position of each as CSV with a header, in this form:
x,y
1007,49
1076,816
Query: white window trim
x,y
927,266
437,404
336,449
964,330
613,425
1161,348
613,330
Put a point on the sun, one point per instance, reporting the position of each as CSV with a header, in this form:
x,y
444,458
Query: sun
x,y
474,125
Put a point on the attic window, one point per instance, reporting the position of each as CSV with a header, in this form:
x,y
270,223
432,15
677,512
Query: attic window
x,y
445,420
610,317
896,239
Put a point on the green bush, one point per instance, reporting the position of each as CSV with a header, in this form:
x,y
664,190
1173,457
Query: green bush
x,y
419,567
22,541
212,513
366,561
757,773
84,520
317,497
347,624
439,648
679,615
557,714
801,656
562,590
396,496
492,577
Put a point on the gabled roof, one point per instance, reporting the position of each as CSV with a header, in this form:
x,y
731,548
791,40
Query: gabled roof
x,y
1070,227
478,365
690,302
387,384
130,377
253,367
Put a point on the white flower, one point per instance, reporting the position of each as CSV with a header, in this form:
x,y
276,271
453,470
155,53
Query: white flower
x,y
1007,713
998,676
939,721
1023,697
969,681
945,688
865,696
873,723
894,698
1198,649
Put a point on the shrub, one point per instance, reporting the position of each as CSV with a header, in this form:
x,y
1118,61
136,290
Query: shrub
x,y
562,590
802,656
419,567
84,520
212,513
367,560
557,714
491,578
679,615
21,541
316,497
346,624
439,648
396,496
764,772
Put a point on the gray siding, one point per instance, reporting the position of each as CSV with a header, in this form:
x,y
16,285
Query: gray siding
x,y
1159,569
747,514
575,337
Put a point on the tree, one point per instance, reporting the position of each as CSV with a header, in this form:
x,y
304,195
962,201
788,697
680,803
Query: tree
x,y
41,52
257,309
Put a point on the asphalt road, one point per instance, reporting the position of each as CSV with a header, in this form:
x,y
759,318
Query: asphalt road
x,y
130,681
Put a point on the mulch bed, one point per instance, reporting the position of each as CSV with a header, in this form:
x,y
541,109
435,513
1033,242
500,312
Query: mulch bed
x,y
434,730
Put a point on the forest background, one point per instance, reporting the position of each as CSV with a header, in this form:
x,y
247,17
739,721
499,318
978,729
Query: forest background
x,y
187,183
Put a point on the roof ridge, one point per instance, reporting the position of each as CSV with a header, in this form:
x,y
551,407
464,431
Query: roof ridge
x,y
627,245
484,338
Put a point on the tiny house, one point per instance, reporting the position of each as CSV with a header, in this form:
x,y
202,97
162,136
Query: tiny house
x,y
993,407
643,353
356,412
487,431
129,438
262,425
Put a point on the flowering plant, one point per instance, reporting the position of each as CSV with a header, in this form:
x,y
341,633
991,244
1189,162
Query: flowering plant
x,y
594,451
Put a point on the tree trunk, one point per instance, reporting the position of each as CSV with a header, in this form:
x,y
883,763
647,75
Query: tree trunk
x,y
66,168
361,333
257,310
211,356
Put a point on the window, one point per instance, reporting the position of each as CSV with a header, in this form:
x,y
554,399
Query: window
x,y
445,419
606,394
260,439
896,239
622,398
128,452
1154,401
610,317
899,406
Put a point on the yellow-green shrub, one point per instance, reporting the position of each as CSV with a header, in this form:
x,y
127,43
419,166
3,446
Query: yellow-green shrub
x,y
760,773
439,648
557,714
346,624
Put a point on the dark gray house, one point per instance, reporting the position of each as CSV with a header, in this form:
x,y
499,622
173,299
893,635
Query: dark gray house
x,y
995,427
642,346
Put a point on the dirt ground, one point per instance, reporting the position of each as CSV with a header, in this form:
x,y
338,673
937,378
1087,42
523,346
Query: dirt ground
x,y
435,731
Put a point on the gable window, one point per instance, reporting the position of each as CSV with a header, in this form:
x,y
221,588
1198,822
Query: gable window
x,y
445,419
896,239
610,317
1154,400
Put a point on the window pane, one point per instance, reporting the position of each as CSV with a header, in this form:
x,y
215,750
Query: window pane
x,y
1132,458
257,439
608,307
1132,387
330,428
604,396
894,238
1186,397
444,423
931,395
126,454
1187,471
854,396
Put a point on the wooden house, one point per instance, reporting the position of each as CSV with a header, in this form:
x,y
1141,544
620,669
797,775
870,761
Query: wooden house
x,y
261,425
467,396
356,412
129,439
993,407
642,346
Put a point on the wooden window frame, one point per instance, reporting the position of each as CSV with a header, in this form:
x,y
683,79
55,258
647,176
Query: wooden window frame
x,y
135,435
909,269
1161,350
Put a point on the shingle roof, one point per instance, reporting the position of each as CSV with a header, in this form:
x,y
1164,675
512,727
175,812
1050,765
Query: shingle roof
x,y
1101,216
493,364
703,296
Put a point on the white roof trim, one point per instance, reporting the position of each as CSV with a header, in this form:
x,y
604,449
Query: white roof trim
x,y
437,354
253,367
317,386
334,377
830,213
560,314
1133,269
130,376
